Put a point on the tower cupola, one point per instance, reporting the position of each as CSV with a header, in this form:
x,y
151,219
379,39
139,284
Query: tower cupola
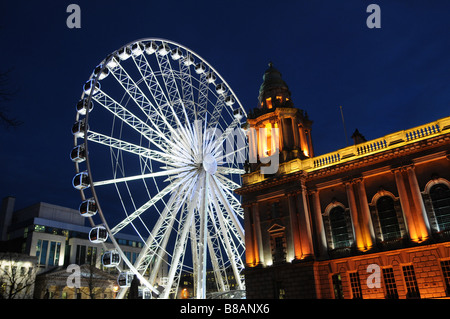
x,y
274,92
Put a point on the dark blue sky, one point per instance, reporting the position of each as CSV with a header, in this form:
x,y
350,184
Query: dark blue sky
x,y
386,80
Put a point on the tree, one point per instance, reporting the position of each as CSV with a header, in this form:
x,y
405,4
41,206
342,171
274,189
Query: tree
x,y
17,276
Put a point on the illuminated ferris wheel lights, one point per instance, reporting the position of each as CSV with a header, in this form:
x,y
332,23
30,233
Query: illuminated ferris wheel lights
x,y
78,128
88,208
89,87
151,47
137,49
100,72
78,154
98,235
81,181
176,54
173,121
111,259
163,49
82,106
124,53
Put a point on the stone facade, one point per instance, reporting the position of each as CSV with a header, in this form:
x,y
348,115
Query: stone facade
x,y
321,226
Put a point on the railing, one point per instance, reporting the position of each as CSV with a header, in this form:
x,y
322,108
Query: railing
x,y
387,142
374,146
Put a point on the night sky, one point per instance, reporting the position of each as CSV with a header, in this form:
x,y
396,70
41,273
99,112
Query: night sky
x,y
386,80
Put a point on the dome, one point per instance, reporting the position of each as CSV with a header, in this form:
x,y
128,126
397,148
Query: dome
x,y
272,80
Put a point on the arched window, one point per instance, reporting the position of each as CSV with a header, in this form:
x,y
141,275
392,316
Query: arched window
x,y
440,198
387,216
339,229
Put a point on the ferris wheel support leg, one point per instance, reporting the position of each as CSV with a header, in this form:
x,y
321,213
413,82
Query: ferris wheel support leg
x,y
203,244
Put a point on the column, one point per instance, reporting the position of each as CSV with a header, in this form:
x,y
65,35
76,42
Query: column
x,y
295,132
354,214
423,226
404,201
296,244
304,222
366,219
259,249
249,242
318,221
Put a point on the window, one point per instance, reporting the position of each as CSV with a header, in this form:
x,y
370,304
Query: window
x,y
411,282
337,286
387,216
355,284
279,254
338,225
445,265
389,282
269,102
440,198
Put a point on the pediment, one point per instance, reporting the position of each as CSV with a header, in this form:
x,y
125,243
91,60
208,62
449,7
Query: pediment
x,y
276,228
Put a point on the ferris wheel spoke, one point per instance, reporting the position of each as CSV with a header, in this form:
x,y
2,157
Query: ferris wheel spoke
x,y
157,120
158,93
172,175
130,147
230,170
169,188
122,113
232,254
158,239
142,176
228,208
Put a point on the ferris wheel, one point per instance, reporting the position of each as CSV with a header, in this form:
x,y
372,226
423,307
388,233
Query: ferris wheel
x,y
158,150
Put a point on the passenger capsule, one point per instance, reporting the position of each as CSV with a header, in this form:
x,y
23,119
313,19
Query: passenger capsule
x,y
200,68
100,73
124,53
78,128
151,47
98,235
88,208
229,100
82,106
221,88
176,54
81,181
89,87
238,114
125,278
137,49
111,258
112,62
163,49
210,77
189,60
78,154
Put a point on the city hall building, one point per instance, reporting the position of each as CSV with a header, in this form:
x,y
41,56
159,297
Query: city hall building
x,y
371,220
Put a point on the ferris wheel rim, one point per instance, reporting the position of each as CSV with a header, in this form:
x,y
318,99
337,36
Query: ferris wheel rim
x,y
86,142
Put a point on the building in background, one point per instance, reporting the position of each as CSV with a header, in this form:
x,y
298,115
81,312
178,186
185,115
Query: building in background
x,y
57,237
371,220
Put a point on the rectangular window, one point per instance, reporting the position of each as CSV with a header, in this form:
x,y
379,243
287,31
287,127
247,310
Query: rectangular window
x,y
51,255
337,286
411,282
355,284
446,272
389,282
43,253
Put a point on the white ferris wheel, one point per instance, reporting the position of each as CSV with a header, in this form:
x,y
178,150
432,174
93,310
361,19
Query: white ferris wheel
x,y
158,151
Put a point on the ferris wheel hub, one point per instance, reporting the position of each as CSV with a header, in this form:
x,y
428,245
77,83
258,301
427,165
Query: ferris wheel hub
x,y
210,164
